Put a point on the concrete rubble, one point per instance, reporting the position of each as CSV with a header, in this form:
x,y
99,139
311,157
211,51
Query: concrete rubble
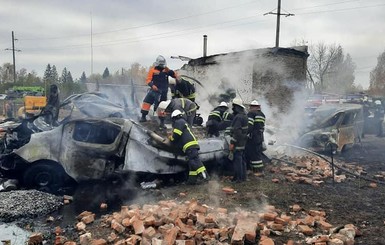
x,y
169,222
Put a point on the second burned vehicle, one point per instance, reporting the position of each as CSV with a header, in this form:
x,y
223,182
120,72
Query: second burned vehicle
x,y
88,148
334,127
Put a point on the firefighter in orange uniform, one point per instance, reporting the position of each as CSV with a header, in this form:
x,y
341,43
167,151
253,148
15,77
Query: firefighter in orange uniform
x,y
157,80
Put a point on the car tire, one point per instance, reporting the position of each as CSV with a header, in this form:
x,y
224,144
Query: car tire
x,y
44,176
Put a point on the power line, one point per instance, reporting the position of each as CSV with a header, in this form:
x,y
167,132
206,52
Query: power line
x,y
344,9
142,26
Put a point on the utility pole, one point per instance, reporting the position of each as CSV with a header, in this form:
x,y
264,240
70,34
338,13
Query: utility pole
x,y
92,50
13,53
278,22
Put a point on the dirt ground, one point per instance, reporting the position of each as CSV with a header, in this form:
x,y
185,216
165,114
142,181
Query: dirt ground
x,y
350,202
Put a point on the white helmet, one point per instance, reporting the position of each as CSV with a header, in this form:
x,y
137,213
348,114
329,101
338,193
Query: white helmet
x,y
176,113
254,103
223,104
160,61
239,102
377,102
164,104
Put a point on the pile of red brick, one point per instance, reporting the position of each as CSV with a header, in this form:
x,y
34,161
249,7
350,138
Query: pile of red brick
x,y
311,170
169,222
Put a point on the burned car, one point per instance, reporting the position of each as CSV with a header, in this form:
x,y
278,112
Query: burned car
x,y
92,148
332,127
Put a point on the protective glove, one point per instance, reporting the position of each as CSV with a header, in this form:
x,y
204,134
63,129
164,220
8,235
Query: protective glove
x,y
155,88
231,147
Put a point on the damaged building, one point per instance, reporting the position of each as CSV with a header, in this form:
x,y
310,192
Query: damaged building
x,y
271,74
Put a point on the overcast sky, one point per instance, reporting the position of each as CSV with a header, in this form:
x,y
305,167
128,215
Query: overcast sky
x,y
128,31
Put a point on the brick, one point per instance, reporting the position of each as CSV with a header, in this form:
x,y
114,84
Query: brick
x,y
149,220
308,220
133,240
245,229
281,221
149,232
85,239
222,210
183,194
120,242
35,238
336,241
156,241
70,243
348,232
210,218
290,242
269,216
80,226
117,226
138,226
170,236
276,227
275,180
373,185
266,241
324,225
184,242
296,208
323,238
305,230
228,190
88,219
126,222
103,206
100,241
320,243
83,214
66,202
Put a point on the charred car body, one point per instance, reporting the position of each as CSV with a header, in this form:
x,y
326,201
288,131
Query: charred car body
x,y
333,127
92,147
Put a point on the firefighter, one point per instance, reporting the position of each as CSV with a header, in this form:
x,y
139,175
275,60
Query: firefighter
x,y
253,150
186,106
215,118
238,133
379,117
183,88
157,80
183,138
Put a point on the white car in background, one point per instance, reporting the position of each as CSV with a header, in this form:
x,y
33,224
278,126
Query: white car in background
x,y
3,96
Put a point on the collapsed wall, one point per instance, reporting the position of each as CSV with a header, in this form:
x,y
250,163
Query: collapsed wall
x,y
270,74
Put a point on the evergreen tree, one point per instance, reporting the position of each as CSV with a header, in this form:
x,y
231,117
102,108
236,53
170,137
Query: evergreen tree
x,y
69,77
106,73
64,75
54,74
83,78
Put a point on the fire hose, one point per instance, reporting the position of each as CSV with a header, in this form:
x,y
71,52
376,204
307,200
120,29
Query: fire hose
x,y
328,161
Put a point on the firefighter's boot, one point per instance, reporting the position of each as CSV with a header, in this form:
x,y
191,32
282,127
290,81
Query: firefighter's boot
x,y
143,118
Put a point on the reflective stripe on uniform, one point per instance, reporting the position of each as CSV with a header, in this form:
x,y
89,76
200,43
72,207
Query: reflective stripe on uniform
x,y
177,131
191,143
259,119
198,171
251,121
215,113
257,164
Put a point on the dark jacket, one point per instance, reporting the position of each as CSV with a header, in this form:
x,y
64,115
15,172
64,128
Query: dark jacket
x,y
182,104
182,136
217,114
159,77
256,122
238,130
183,89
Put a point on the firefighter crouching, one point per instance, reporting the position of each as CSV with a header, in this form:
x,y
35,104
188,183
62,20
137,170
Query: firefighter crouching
x,y
183,138
253,150
182,87
186,106
215,118
157,80
238,133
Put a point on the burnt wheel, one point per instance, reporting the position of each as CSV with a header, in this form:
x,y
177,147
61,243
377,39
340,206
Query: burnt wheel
x,y
44,176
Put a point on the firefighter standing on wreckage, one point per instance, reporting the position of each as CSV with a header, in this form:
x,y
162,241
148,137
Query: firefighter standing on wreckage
x,y
183,138
183,88
238,133
253,150
157,79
